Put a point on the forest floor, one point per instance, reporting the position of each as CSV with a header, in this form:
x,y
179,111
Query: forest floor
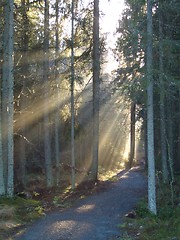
x,y
94,211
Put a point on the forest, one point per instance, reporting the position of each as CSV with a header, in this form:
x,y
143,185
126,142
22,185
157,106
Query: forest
x,y
65,119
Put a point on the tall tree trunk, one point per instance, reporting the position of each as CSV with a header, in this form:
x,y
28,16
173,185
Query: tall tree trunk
x,y
23,104
178,138
132,135
170,112
2,183
145,137
72,99
57,117
170,139
96,89
8,95
150,115
162,101
4,105
47,141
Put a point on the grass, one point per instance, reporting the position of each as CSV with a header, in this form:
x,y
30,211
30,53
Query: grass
x,y
164,226
152,227
15,213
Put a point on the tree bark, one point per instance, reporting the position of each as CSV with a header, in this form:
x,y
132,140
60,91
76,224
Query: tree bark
x,y
2,183
23,103
72,99
8,96
170,135
57,116
96,89
162,101
150,115
132,135
47,141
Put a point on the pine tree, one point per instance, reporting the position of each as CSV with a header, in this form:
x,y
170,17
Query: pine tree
x,y
72,99
8,97
150,114
96,86
47,141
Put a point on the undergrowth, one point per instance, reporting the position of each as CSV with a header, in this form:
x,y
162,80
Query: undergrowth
x,y
15,212
163,226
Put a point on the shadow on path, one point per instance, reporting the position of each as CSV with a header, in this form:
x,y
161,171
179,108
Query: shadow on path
x,y
95,217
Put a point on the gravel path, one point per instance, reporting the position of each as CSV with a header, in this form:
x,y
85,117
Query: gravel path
x,y
94,218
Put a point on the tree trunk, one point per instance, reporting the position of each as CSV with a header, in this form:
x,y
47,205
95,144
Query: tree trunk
x,y
23,104
2,183
170,112
170,138
162,101
144,128
8,95
4,105
72,99
150,115
47,141
96,87
178,138
57,116
132,135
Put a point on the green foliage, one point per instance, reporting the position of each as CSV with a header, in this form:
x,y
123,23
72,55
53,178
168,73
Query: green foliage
x,y
130,49
15,213
58,202
164,226
142,209
25,210
153,227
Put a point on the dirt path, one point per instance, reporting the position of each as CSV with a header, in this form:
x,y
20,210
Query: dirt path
x,y
95,217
